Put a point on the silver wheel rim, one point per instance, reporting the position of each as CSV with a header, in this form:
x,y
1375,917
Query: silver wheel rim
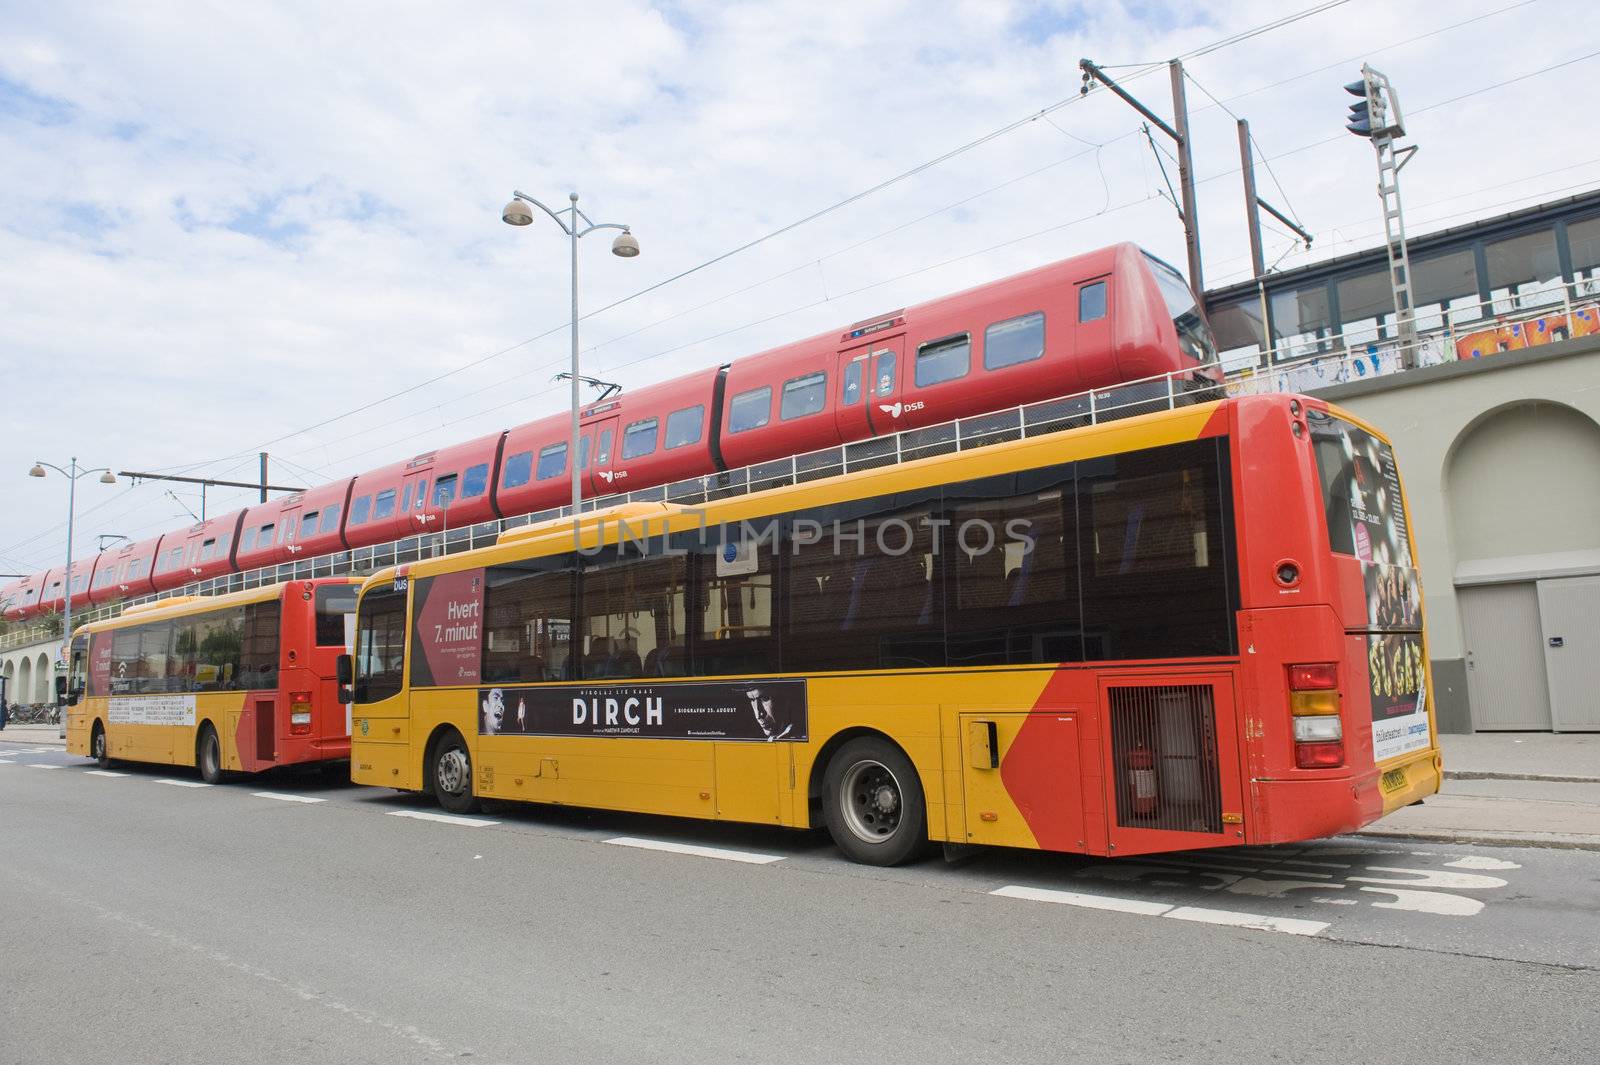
x,y
871,801
453,770
208,755
99,745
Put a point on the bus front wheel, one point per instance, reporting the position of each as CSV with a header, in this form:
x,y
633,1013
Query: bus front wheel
x,y
208,755
97,746
872,802
451,767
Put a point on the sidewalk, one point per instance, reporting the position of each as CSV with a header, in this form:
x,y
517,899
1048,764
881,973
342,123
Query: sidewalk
x,y
1512,789
30,736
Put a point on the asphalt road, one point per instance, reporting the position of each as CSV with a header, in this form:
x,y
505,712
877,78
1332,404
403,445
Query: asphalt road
x,y
143,921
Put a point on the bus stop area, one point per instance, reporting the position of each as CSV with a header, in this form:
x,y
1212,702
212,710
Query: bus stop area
x,y
1510,789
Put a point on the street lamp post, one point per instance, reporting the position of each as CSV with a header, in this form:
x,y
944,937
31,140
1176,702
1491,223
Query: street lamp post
x,y
576,225
71,473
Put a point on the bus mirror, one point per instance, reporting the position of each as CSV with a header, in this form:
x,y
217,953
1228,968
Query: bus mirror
x,y
61,690
346,695
344,669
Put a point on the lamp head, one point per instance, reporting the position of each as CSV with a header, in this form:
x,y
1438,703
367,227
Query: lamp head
x,y
37,471
108,478
626,246
516,213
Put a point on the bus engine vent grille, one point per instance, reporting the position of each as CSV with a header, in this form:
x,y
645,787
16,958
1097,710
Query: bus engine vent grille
x,y
1164,741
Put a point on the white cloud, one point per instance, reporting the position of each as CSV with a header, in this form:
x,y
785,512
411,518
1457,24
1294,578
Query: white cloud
x,y
221,224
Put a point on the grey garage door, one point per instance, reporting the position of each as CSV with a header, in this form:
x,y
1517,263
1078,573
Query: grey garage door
x,y
1505,656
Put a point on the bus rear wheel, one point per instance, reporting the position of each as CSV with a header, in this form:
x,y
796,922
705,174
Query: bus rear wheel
x,y
97,746
872,802
451,769
208,755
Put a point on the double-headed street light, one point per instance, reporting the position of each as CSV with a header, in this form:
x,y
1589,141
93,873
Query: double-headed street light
x,y
574,223
71,473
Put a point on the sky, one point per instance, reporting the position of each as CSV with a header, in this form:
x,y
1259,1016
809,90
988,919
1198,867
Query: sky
x,y
227,228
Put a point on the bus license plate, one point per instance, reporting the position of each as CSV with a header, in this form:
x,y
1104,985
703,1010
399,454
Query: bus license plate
x,y
1394,780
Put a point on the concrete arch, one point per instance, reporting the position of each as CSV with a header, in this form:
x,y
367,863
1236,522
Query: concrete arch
x,y
1524,479
24,692
44,679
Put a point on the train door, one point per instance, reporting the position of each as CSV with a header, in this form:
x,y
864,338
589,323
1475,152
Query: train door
x,y
287,533
1094,354
852,371
884,406
598,446
413,506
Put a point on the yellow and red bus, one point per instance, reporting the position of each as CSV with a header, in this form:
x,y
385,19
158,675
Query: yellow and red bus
x,y
240,682
1193,628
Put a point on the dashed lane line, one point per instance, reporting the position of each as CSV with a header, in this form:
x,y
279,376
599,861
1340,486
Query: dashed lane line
x,y
40,765
444,819
182,783
748,857
286,797
1260,922
103,773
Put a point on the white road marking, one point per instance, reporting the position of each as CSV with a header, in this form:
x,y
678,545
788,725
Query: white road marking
x,y
1475,861
748,857
1291,925
1428,902
41,765
444,819
102,773
1294,926
286,797
182,783
1428,878
6,761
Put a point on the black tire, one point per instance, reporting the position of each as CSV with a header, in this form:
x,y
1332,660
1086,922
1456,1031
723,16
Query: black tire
x,y
208,755
99,750
873,804
450,773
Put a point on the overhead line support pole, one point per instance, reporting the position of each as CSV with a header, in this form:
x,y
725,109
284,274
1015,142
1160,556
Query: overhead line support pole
x,y
1179,132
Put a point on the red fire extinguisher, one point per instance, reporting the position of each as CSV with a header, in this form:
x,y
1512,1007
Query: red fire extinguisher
x,y
1141,766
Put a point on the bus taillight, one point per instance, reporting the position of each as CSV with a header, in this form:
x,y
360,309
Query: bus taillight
x,y
299,713
1318,728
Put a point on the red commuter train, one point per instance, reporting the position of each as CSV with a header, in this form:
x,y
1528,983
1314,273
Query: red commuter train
x,y
1105,318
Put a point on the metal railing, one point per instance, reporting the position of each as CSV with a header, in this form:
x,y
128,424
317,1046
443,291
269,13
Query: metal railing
x,y
1341,362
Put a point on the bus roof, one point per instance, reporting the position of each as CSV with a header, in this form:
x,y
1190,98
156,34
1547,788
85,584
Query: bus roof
x,y
185,605
1107,438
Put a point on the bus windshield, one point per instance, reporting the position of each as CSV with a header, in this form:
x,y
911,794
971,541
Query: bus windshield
x,y
1194,336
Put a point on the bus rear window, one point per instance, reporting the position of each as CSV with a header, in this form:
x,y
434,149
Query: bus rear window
x,y
1360,491
334,604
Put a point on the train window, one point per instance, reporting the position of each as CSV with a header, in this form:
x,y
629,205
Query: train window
x,y
207,549
174,559
683,427
803,395
475,481
383,503
422,492
330,519
519,470
444,491
639,439
943,360
1013,341
1092,302
552,461
883,373
603,456
850,392
405,500
360,509
308,524
750,410
266,536
222,544
583,452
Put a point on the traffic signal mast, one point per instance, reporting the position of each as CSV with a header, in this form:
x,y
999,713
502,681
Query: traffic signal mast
x,y
1376,116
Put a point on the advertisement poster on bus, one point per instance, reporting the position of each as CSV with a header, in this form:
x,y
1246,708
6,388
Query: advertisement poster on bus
x,y
763,711
1399,694
448,629
152,710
